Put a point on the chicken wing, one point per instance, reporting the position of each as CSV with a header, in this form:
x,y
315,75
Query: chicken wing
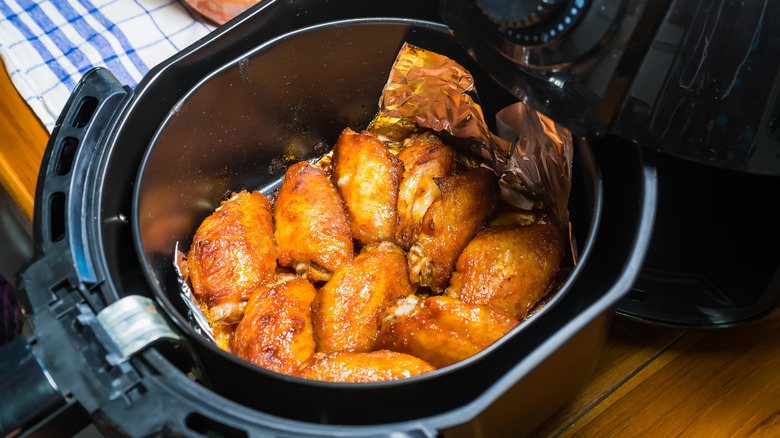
x,y
345,310
512,267
312,230
425,157
232,252
367,176
466,201
276,331
375,366
443,330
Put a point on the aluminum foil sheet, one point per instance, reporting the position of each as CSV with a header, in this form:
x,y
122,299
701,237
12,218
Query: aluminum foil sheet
x,y
531,153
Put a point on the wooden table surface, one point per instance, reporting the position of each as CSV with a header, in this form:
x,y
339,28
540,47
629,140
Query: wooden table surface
x,y
650,382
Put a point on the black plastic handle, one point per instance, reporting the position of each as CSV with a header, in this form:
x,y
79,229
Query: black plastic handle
x,y
61,203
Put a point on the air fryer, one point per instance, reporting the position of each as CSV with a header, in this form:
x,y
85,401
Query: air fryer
x,y
112,346
697,83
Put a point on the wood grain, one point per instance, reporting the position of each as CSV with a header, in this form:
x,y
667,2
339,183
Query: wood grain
x,y
630,347
718,383
23,140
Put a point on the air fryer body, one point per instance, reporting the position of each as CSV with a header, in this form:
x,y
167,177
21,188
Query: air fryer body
x,y
695,81
90,265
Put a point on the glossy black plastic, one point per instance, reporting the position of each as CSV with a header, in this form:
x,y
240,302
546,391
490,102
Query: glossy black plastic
x,y
712,259
569,77
699,82
708,86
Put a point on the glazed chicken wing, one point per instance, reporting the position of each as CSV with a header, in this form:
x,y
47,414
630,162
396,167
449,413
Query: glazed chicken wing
x,y
375,366
512,267
425,157
276,331
442,330
466,201
312,231
346,309
367,176
232,252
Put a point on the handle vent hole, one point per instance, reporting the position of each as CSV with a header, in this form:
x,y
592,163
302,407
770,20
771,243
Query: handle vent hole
x,y
57,216
67,153
86,109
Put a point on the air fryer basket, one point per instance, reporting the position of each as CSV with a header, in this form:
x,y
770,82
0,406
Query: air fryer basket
x,y
293,96
88,219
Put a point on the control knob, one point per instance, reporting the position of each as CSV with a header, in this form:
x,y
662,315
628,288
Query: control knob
x,y
518,14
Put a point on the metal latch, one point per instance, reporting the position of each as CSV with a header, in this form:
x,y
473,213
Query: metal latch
x,y
131,324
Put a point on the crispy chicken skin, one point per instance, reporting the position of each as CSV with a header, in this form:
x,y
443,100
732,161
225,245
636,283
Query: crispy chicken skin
x,y
276,331
367,176
512,267
425,157
232,252
375,366
346,309
443,330
466,201
312,230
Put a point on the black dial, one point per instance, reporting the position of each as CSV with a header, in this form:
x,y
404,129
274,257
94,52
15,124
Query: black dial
x,y
541,34
519,14
529,22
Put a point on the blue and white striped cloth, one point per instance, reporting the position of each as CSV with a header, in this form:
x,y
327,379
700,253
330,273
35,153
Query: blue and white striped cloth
x,y
47,45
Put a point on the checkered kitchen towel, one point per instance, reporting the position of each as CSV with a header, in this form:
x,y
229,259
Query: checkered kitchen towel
x,y
47,45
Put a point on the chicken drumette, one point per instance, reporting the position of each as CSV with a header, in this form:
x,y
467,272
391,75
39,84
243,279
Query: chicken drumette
x,y
232,252
425,157
510,266
442,330
375,366
276,331
312,230
466,201
367,176
346,309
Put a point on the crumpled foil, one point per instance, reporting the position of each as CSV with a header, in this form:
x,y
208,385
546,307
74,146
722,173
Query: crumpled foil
x,y
532,155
